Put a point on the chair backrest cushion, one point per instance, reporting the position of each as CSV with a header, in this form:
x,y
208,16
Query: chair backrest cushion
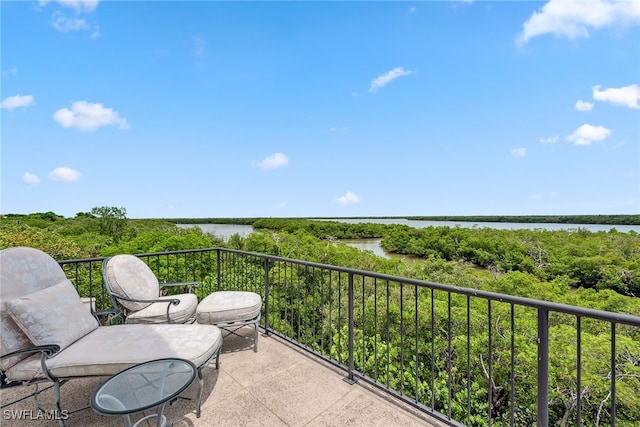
x,y
22,271
54,315
129,276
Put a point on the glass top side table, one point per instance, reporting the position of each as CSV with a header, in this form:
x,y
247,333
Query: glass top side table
x,y
144,386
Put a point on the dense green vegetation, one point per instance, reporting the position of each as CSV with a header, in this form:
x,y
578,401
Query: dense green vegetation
x,y
578,259
596,270
603,260
581,259
103,231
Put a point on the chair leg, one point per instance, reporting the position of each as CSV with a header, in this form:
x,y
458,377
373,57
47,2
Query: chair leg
x,y
59,413
200,387
255,337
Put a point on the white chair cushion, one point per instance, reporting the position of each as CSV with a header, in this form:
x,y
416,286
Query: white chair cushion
x,y
228,307
22,271
111,349
129,276
11,338
185,312
54,315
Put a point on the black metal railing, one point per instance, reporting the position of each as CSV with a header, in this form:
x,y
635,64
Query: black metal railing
x,y
464,356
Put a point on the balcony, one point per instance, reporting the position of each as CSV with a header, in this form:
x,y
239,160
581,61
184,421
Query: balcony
x,y
343,346
278,386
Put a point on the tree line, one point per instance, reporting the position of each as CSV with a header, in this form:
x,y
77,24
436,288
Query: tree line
x,y
527,219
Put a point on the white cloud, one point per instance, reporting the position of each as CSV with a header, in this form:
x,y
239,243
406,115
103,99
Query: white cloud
x,y
16,101
30,179
348,198
65,25
11,71
550,140
413,9
64,174
387,78
628,95
519,152
273,162
584,105
588,134
80,6
86,6
87,116
574,18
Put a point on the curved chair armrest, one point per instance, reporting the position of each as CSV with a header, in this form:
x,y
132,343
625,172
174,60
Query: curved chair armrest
x,y
168,301
48,350
174,301
110,313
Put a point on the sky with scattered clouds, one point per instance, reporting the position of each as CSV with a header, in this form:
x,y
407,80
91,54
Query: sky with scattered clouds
x,y
325,109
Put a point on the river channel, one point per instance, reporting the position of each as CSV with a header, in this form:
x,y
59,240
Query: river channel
x,y
224,231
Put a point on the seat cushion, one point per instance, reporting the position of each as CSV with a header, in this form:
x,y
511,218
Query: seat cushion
x,y
129,276
229,307
111,349
54,315
185,312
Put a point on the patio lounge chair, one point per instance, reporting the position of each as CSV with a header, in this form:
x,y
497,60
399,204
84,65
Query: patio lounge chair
x,y
135,293
134,287
48,335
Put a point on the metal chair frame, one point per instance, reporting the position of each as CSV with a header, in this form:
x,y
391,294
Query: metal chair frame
x,y
118,310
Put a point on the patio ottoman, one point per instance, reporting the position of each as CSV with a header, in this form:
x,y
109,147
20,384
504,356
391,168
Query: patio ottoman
x,y
231,310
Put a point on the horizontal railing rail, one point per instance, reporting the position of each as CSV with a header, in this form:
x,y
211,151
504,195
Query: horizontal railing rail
x,y
462,355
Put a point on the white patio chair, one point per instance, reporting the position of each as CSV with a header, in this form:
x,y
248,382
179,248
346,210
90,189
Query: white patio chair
x,y
135,293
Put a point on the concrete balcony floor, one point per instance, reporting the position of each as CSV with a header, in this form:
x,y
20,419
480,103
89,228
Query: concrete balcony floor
x,y
277,386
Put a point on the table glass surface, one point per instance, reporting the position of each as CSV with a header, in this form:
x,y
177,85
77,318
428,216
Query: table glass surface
x,y
144,386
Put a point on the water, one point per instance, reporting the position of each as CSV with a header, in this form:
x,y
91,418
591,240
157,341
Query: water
x,y
372,245
497,225
224,231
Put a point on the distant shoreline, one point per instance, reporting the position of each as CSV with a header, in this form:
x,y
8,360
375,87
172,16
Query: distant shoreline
x,y
543,219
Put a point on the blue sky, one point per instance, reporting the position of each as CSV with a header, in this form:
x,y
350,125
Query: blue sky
x,y
320,108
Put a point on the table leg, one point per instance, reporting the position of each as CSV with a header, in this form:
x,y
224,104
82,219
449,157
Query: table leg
x,y
161,420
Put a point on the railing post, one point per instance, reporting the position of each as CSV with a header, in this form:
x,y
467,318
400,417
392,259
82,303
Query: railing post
x,y
266,296
218,267
543,367
613,375
351,366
